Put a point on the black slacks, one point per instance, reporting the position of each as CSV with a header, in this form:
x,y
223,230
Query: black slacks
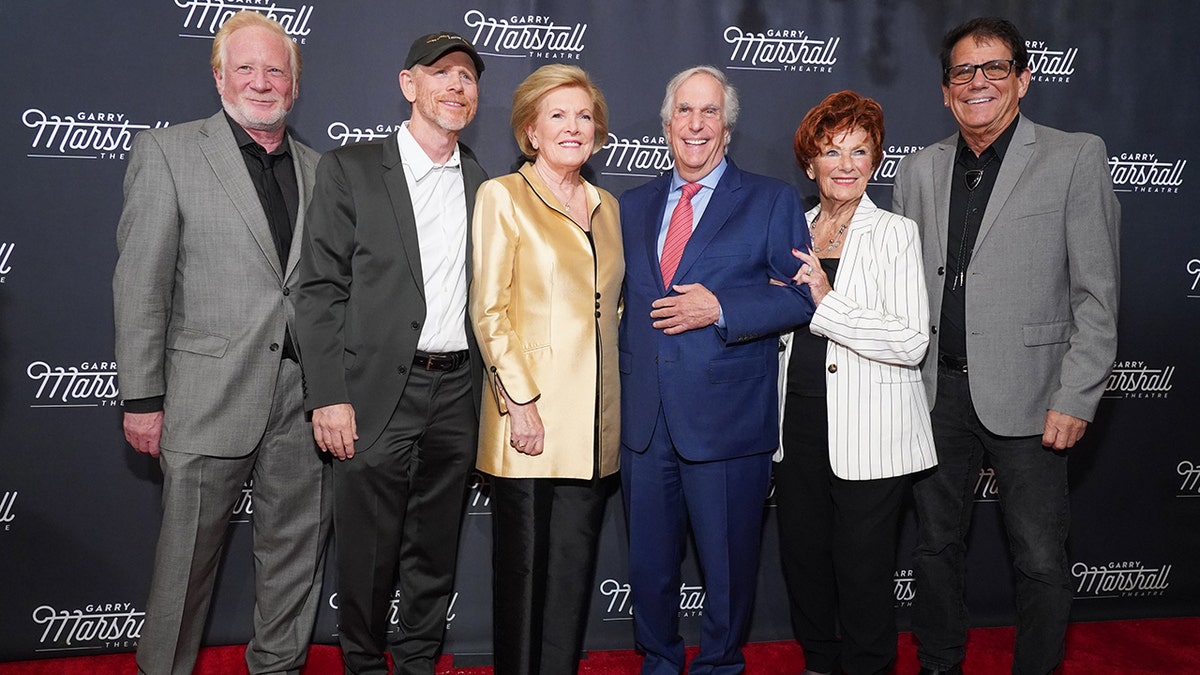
x,y
837,542
544,537
397,509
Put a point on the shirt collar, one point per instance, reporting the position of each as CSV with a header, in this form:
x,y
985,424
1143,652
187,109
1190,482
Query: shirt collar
x,y
998,146
709,181
243,139
414,156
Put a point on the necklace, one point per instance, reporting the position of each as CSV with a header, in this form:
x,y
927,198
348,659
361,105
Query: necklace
x,y
971,178
565,202
834,241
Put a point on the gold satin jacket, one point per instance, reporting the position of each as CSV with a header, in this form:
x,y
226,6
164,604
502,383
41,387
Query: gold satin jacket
x,y
544,304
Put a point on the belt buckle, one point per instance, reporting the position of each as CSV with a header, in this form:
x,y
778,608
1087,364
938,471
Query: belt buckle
x,y
438,359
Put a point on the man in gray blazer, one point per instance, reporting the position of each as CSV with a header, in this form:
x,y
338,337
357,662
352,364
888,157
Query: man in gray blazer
x,y
392,372
209,240
1020,231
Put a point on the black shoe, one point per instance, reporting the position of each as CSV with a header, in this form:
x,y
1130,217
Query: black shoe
x,y
956,670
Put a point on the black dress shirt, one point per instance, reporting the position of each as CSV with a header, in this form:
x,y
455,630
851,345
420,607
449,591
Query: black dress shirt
x,y
967,207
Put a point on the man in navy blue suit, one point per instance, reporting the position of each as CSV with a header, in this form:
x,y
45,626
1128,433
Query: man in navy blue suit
x,y
699,356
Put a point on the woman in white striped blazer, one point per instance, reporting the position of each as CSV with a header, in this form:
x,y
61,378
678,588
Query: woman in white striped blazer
x,y
856,419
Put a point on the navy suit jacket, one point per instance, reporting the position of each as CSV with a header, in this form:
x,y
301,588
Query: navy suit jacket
x,y
717,387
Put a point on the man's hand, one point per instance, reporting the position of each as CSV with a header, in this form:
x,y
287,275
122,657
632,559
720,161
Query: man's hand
x,y
694,307
1062,430
335,430
143,431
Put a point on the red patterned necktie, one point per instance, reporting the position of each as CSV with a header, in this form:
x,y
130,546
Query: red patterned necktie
x,y
678,232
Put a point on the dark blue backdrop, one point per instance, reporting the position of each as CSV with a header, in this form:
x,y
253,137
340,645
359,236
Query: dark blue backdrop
x,y
79,510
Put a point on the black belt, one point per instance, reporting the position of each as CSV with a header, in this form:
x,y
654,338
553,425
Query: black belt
x,y
956,363
451,361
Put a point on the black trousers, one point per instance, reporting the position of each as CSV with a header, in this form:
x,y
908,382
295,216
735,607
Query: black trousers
x,y
837,543
544,537
397,510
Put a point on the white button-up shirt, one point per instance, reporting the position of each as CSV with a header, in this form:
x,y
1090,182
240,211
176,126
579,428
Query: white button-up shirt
x,y
440,207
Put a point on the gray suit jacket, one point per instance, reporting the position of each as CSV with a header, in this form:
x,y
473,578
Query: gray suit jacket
x,y
200,300
361,300
1043,281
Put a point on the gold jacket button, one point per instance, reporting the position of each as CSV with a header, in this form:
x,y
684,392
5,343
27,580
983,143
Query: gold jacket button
x,y
833,367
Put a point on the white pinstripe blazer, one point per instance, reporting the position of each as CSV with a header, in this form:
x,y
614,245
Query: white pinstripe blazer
x,y
876,319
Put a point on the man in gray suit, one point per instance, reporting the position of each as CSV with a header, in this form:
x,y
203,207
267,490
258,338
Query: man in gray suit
x,y
1020,231
209,240
392,373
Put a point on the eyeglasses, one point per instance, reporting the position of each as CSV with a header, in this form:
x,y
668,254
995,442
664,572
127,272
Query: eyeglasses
x,y
992,70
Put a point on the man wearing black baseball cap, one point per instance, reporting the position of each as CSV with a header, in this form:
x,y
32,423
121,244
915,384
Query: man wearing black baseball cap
x,y
427,49
392,371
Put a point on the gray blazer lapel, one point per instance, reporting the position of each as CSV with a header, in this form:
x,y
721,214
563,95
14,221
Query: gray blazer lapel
x,y
943,177
221,151
1016,158
402,208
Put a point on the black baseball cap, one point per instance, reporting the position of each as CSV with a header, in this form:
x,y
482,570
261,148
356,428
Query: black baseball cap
x,y
429,48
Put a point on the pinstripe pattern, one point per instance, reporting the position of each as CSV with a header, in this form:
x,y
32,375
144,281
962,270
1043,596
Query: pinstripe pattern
x,y
876,319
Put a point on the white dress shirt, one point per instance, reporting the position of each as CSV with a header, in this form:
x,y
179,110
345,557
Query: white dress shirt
x,y
440,207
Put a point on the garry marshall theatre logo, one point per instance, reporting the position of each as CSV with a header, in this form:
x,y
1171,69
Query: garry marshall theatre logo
x,y
83,135
6,249
527,36
1131,579
986,489
1050,65
98,626
7,500
1193,268
88,385
393,615
343,133
1132,379
903,588
648,156
205,17
885,173
243,508
1145,172
620,607
1188,471
479,495
780,50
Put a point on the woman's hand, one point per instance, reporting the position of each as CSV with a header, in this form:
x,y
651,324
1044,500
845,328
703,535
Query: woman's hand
x,y
526,433
810,273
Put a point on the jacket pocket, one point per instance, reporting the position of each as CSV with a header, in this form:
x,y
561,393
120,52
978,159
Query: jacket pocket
x,y
197,342
1035,334
733,370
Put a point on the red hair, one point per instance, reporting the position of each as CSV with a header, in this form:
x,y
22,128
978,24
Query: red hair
x,y
839,113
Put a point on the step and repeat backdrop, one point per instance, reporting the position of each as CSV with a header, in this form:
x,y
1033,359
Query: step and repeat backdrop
x,y
79,510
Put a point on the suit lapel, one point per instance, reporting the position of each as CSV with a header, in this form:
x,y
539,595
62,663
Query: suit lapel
x,y
1020,149
401,200
305,165
852,250
221,151
725,199
473,175
654,216
942,179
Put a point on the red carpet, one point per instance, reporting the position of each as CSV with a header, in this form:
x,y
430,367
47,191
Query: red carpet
x,y
1145,647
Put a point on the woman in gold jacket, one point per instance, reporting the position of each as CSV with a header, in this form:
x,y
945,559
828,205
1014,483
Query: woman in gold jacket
x,y
547,280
